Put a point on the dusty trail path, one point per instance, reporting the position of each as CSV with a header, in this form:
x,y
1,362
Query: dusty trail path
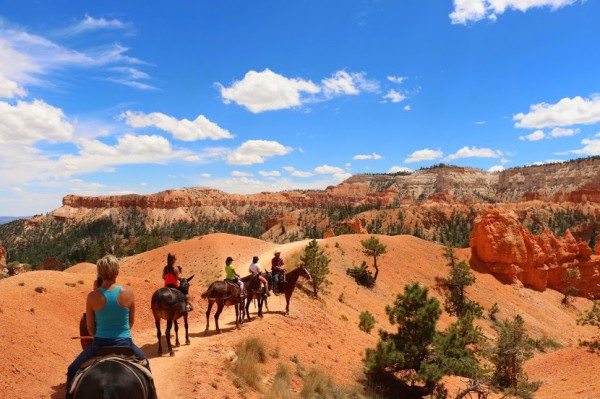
x,y
182,376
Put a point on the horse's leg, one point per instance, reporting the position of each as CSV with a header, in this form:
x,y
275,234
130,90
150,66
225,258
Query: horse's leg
x,y
185,323
260,305
237,315
210,304
168,334
157,323
248,300
220,306
266,303
176,332
288,296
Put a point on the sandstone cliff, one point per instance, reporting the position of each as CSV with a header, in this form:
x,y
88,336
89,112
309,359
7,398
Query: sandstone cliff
x,y
2,257
502,246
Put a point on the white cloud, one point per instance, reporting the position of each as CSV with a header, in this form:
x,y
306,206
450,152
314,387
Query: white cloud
x,y
504,160
394,96
424,155
255,151
20,163
474,10
373,156
535,136
205,175
31,122
407,107
475,152
10,89
297,173
591,147
273,173
93,24
480,122
567,112
199,129
496,168
328,170
399,169
33,57
267,91
344,83
396,79
562,132
237,173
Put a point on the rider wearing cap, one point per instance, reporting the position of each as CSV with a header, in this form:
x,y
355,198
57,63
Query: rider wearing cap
x,y
278,270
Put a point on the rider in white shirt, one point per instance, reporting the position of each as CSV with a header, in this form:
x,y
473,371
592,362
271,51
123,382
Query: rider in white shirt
x,y
255,269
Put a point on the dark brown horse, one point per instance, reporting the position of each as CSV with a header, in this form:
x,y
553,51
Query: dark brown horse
x,y
254,291
170,304
114,378
224,293
289,284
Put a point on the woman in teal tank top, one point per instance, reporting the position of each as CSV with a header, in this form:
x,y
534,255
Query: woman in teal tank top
x,y
110,313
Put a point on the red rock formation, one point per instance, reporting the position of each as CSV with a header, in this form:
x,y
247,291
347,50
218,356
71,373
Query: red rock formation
x,y
2,257
501,245
354,224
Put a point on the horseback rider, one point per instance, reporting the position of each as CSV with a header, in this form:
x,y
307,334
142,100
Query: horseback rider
x,y
231,275
278,270
171,272
110,312
171,276
255,270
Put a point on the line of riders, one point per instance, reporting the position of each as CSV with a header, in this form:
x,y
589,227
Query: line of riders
x,y
110,314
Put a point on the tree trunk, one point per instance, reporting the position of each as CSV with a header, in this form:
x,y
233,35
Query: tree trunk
x,y
376,268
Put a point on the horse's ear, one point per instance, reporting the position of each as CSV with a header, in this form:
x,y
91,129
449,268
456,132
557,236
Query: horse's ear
x,y
190,278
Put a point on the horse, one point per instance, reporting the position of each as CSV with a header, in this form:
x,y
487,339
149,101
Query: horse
x,y
254,290
289,284
170,304
224,293
114,377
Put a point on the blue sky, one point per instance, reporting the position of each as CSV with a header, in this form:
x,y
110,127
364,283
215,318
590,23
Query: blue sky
x,y
110,97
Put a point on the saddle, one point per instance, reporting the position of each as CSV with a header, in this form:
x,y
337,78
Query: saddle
x,y
121,354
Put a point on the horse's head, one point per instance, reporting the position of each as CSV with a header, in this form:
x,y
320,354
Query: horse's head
x,y
184,284
304,272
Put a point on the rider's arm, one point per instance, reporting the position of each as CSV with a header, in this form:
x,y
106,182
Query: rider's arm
x,y
131,313
90,317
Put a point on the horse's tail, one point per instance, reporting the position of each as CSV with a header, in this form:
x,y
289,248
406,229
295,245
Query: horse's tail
x,y
208,293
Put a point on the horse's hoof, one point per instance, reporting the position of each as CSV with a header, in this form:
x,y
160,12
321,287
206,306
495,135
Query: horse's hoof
x,y
261,316
187,342
176,344
172,353
218,331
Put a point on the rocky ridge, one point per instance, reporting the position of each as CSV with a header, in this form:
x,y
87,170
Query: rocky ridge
x,y
575,181
501,245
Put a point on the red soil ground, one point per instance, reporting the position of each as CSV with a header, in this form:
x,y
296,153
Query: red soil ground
x,y
36,328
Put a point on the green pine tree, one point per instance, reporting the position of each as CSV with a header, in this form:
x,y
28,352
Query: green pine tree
x,y
373,248
407,353
317,263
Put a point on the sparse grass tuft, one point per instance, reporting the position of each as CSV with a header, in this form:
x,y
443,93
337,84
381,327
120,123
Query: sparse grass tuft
x,y
250,352
70,284
319,385
281,388
32,310
21,284
40,289
81,282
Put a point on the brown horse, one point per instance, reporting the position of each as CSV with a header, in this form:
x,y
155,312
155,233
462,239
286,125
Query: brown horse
x,y
224,293
114,377
170,304
254,290
289,284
